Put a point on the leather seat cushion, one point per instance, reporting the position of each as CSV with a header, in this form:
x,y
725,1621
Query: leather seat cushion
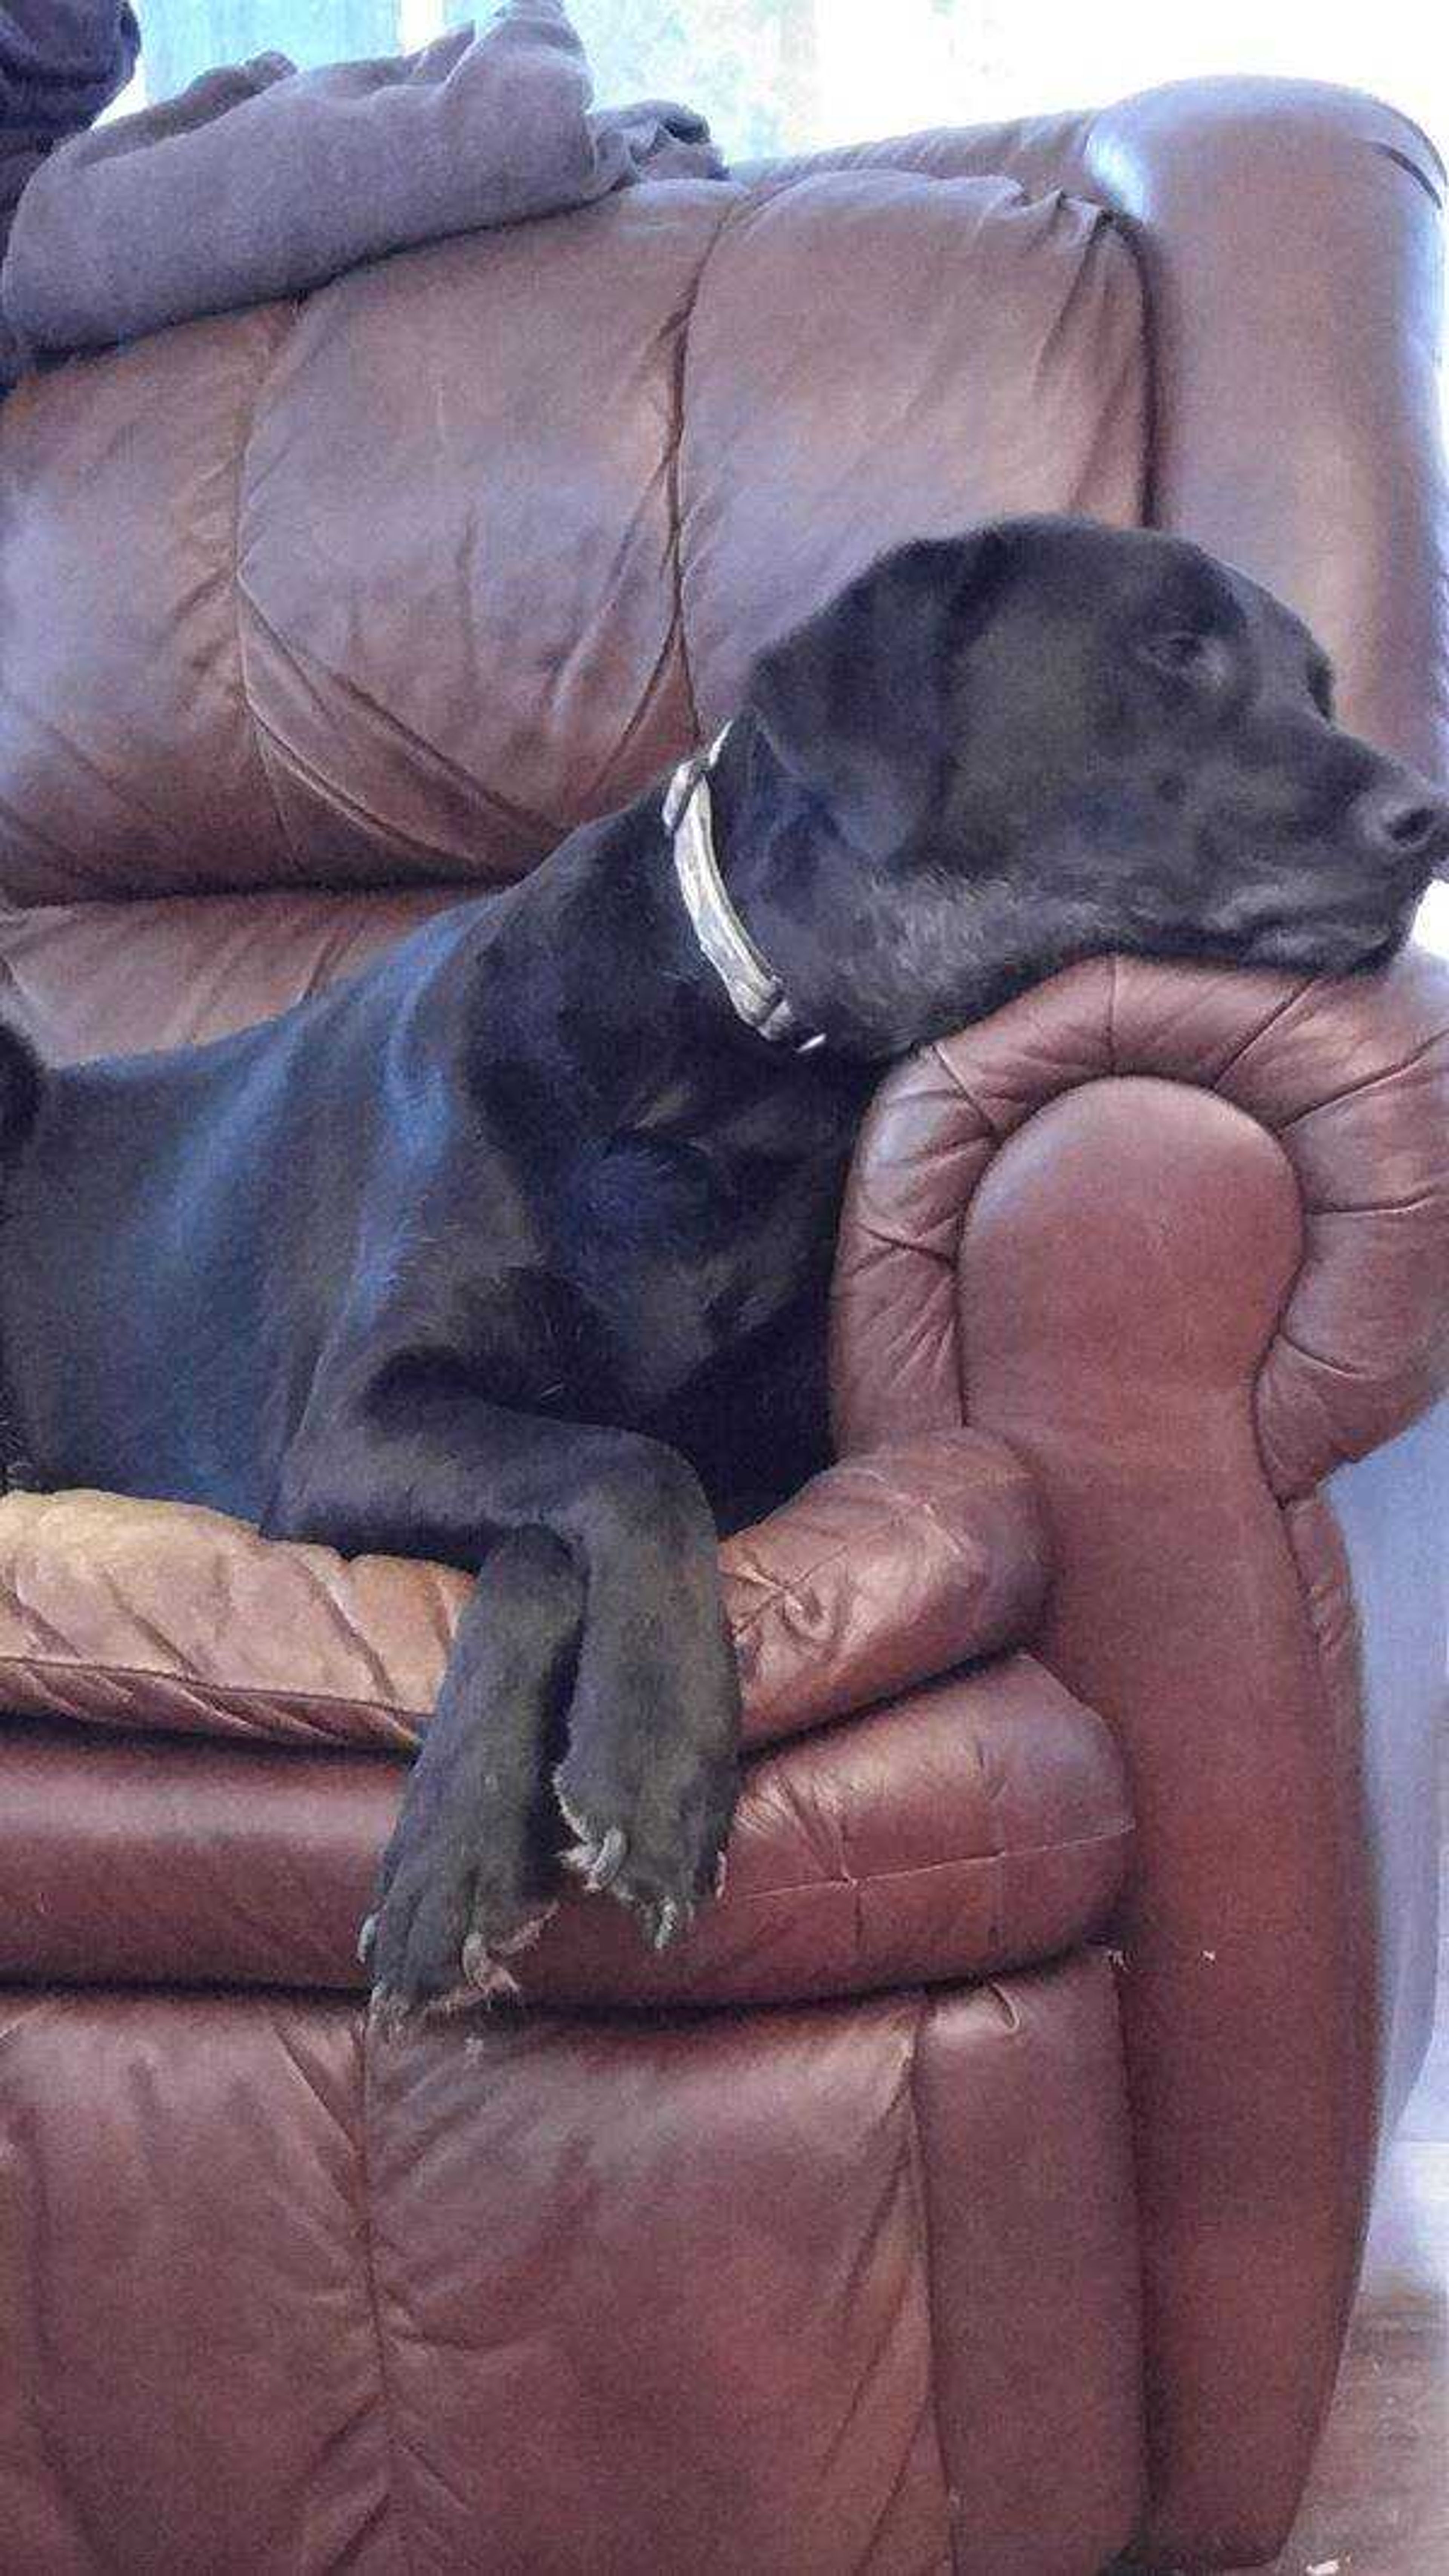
x,y
879,1573
971,1826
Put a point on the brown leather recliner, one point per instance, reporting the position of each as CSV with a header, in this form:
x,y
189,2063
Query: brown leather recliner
x,y
866,2245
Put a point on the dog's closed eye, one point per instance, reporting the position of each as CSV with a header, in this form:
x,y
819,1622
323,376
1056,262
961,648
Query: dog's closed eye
x,y
1185,653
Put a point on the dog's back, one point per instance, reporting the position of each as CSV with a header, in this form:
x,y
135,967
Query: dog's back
x,y
181,1231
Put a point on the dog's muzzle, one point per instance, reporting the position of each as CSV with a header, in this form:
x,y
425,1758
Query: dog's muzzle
x,y
755,991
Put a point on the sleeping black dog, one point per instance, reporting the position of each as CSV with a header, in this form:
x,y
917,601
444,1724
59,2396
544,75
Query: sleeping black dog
x,y
513,1252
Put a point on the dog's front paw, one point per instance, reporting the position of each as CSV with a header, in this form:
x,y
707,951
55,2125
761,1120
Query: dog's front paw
x,y
466,1881
649,1782
439,1944
452,1914
471,1874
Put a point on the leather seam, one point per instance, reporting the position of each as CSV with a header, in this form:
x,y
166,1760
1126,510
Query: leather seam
x,y
1255,1037
988,1124
1319,1359
1351,1090
201,1688
921,2193
515,819
249,420
674,459
911,1503
869,1230
374,2297
338,800
1430,1198
1279,1335
987,1860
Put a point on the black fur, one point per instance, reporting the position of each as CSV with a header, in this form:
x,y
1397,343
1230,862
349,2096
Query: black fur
x,y
514,1251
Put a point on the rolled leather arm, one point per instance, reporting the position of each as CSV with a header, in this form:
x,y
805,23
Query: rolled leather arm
x,y
883,1572
1348,1077
880,1574
1181,1235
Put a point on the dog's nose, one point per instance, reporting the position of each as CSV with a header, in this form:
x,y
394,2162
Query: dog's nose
x,y
1399,819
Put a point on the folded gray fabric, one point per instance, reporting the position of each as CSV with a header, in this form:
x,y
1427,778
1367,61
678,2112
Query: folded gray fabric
x,y
263,181
61,62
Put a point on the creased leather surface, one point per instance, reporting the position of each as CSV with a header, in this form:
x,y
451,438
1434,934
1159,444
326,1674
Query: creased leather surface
x,y
89,979
707,2292
881,1572
974,1824
1349,1076
1183,1237
261,632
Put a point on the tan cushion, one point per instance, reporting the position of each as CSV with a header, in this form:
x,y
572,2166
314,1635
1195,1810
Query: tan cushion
x,y
881,1572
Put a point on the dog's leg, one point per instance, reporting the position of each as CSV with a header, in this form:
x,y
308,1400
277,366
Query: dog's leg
x,y
469,1877
648,1776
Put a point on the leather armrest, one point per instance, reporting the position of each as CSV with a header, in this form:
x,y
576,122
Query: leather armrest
x,y
881,1573
1181,1235
1348,1077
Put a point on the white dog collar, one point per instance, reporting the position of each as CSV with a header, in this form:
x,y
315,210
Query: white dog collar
x,y
755,991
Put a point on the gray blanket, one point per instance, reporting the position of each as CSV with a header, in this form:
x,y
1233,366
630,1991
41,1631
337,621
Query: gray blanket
x,y
263,181
61,62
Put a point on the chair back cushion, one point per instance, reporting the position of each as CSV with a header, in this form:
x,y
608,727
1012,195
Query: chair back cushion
x,y
317,616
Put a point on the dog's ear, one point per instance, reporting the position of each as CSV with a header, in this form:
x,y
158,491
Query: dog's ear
x,y
855,704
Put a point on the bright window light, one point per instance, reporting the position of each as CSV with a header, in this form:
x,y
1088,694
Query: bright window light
x,y
786,75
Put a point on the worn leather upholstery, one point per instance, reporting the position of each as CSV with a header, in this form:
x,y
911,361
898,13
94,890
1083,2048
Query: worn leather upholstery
x,y
1249,1179
883,1571
976,1825
319,617
699,2292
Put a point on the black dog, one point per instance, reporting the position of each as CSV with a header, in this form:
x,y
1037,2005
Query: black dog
x,y
513,1252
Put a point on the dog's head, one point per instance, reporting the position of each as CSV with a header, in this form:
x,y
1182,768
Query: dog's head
x,y
1047,739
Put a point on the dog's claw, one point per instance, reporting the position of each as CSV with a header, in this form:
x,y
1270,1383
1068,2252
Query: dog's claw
x,y
599,1864
668,1918
386,2013
486,1972
367,1941
721,1873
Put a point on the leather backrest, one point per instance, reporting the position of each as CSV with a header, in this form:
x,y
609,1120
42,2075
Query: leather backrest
x,y
391,589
